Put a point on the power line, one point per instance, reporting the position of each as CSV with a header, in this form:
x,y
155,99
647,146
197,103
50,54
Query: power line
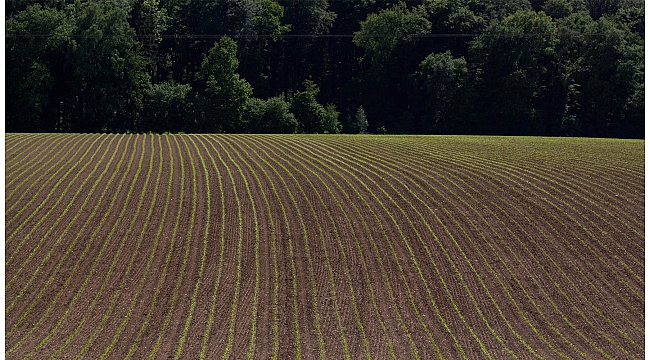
x,y
293,36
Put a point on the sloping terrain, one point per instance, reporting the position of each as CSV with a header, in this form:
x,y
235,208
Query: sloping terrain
x,y
300,246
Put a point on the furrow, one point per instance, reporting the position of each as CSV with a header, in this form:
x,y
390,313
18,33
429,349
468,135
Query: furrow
x,y
254,311
233,307
353,234
98,327
315,317
330,267
14,141
9,221
181,272
410,292
357,164
587,319
578,253
32,155
222,237
144,321
52,227
434,179
68,251
17,144
193,301
93,269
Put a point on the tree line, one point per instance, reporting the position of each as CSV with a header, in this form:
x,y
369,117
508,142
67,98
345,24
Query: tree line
x,y
508,67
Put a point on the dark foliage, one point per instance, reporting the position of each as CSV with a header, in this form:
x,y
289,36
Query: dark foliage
x,y
524,67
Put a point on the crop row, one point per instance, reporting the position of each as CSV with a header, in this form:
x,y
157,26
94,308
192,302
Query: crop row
x,y
276,246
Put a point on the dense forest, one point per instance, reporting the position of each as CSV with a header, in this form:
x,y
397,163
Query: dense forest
x,y
509,67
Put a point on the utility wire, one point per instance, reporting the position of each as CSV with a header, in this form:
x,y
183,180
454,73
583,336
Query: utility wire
x,y
293,36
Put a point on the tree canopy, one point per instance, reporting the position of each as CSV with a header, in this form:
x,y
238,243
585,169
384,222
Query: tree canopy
x,y
522,67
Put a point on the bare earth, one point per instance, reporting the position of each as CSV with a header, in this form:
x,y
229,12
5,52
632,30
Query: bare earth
x,y
331,247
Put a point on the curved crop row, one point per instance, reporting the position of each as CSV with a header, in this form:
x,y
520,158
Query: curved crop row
x,y
303,246
402,166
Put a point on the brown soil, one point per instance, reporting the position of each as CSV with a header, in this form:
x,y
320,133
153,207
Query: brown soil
x,y
369,247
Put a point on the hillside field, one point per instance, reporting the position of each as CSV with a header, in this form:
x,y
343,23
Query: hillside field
x,y
323,246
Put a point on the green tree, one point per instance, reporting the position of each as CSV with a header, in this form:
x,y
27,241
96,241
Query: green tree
x,y
309,17
450,17
109,76
14,7
389,33
390,40
558,9
88,63
611,81
632,14
331,123
278,117
226,93
443,94
231,17
514,69
568,66
271,116
167,109
360,125
302,57
500,9
31,67
339,69
312,116
150,20
259,53
84,66
191,28
598,8
153,65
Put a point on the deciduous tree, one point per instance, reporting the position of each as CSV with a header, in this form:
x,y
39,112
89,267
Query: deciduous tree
x,y
514,57
225,91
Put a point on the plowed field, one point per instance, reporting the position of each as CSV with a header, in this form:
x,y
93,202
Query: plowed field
x,y
331,247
